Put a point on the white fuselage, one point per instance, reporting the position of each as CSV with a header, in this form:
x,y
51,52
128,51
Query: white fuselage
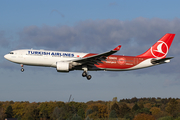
x,y
41,57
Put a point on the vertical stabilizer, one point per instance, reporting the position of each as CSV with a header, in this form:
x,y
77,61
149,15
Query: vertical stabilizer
x,y
160,48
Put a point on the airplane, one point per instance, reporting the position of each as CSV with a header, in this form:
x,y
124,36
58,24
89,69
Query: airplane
x,y
69,61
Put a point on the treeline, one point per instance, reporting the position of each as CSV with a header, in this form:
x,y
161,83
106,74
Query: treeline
x,y
125,109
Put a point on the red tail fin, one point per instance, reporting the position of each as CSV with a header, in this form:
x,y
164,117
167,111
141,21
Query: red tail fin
x,y
160,48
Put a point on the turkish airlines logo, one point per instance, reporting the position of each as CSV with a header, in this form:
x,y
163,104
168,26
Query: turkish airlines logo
x,y
160,49
122,61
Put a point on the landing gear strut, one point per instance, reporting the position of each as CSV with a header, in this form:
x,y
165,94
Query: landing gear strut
x,y
85,73
22,69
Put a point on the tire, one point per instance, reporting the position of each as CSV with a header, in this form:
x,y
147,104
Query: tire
x,y
89,77
22,69
84,74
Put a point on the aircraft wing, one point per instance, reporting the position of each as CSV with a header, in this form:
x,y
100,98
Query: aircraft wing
x,y
97,58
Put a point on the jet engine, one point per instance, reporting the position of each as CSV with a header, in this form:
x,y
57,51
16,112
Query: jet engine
x,y
63,66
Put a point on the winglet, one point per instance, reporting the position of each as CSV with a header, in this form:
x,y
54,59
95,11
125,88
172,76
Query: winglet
x,y
117,48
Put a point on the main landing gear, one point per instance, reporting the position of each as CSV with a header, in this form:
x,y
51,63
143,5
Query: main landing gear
x,y
85,73
22,69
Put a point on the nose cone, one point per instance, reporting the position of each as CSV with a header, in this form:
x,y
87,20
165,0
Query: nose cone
x,y
6,56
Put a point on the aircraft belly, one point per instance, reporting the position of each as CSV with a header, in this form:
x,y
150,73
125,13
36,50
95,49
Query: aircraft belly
x,y
42,60
33,60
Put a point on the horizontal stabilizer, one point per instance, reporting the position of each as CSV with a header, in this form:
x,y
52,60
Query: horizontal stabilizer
x,y
160,61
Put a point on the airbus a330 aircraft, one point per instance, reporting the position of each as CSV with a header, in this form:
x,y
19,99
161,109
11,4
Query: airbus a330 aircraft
x,y
68,61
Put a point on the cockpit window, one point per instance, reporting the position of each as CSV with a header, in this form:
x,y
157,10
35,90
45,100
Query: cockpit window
x,y
11,53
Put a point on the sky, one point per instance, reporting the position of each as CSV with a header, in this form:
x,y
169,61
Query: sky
x,y
93,26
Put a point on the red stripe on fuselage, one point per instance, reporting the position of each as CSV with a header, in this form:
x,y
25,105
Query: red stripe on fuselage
x,y
118,61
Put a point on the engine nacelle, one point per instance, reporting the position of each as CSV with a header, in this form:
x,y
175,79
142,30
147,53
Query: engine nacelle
x,y
63,66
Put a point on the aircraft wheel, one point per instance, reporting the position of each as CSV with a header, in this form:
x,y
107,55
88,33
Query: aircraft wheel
x,y
84,74
22,69
89,77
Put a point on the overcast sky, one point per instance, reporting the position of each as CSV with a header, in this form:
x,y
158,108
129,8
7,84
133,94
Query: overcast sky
x,y
93,26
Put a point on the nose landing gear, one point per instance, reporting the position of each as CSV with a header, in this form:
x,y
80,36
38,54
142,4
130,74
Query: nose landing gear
x,y
22,69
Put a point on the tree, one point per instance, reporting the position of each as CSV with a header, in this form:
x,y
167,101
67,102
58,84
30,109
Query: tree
x,y
134,100
87,118
153,99
115,107
27,116
81,113
113,114
46,108
141,104
63,113
144,116
56,113
44,114
2,115
144,110
156,112
98,111
88,112
31,112
19,108
128,116
177,118
123,110
9,112
76,106
172,107
114,100
110,104
148,105
166,118
164,101
135,107
66,112
95,108
76,117
60,104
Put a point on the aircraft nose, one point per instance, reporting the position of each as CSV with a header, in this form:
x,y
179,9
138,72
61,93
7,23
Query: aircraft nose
x,y
6,56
